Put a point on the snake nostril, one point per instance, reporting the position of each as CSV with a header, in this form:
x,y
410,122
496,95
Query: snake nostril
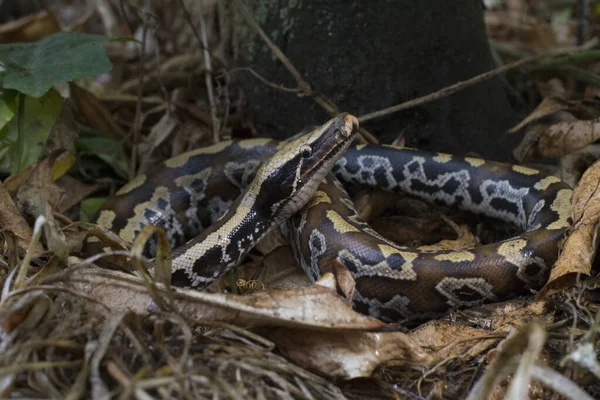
x,y
351,124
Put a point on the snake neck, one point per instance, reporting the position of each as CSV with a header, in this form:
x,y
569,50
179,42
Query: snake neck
x,y
222,246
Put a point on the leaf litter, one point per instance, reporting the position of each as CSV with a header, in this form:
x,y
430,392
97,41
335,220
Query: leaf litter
x,y
71,329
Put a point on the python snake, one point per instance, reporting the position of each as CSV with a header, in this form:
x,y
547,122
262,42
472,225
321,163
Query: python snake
x,y
197,195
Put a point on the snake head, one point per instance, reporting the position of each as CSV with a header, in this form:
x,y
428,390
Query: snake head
x,y
290,178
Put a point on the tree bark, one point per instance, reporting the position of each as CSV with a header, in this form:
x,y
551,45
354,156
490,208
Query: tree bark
x,y
367,55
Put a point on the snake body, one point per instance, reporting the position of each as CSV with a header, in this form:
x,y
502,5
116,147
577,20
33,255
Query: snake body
x,y
197,195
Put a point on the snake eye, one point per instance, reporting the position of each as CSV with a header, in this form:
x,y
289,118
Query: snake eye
x,y
305,151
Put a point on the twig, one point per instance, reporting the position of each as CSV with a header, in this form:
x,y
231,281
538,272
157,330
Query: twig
x,y
138,105
303,86
457,86
202,39
265,81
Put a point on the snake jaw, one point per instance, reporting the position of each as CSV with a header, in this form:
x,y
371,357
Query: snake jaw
x,y
350,126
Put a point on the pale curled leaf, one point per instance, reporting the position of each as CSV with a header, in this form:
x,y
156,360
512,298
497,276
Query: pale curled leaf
x,y
566,137
313,307
24,312
526,344
580,247
548,106
572,166
347,354
452,340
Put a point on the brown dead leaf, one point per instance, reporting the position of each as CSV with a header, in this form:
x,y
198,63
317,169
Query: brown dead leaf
x,y
558,127
39,195
580,248
466,239
548,106
572,166
12,220
26,312
74,190
406,230
38,190
271,241
449,339
62,137
95,113
279,268
347,354
504,316
528,145
315,307
158,134
29,28
517,354
566,137
344,279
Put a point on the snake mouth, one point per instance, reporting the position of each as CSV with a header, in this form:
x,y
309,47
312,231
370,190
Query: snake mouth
x,y
348,130
333,153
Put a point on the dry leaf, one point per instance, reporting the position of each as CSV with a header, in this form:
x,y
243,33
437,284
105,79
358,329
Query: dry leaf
x,y
347,354
450,339
315,307
12,220
410,230
38,191
62,137
528,145
502,317
158,134
548,106
26,312
279,269
572,166
517,354
74,190
561,127
465,240
39,195
94,112
29,28
567,137
580,248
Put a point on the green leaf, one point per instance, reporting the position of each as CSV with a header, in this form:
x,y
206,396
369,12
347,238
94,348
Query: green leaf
x,y
107,149
6,113
33,68
89,207
18,149
125,39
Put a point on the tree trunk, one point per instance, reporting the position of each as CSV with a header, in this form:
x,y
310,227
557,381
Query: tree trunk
x,y
371,54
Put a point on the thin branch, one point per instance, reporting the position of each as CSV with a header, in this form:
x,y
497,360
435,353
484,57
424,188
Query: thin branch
x,y
202,39
303,86
460,86
137,122
265,81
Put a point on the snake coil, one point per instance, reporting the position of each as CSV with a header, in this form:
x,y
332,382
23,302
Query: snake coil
x,y
197,195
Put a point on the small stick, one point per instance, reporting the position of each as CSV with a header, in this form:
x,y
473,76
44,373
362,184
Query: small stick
x,y
202,38
318,97
457,86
